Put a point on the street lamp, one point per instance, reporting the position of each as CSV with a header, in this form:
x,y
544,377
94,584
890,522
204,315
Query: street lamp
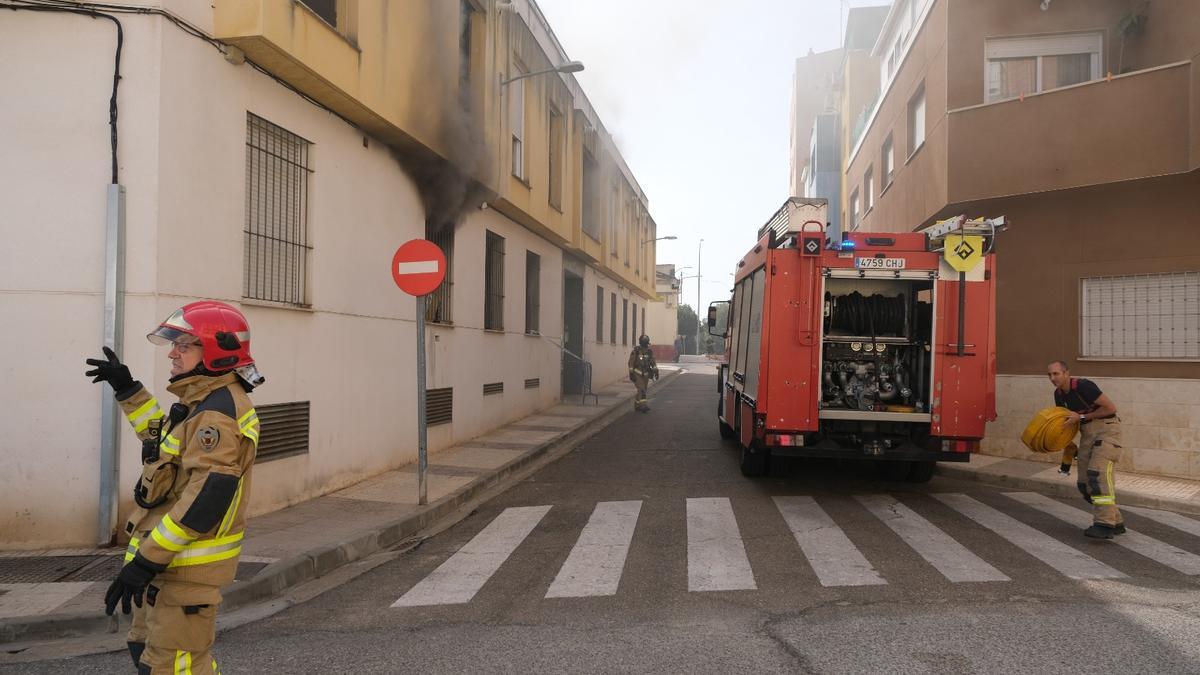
x,y
568,67
669,237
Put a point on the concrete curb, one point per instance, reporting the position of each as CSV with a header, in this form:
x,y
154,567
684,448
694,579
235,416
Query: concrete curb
x,y
1066,491
315,563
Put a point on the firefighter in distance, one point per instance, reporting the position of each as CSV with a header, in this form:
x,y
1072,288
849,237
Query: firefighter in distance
x,y
642,369
185,534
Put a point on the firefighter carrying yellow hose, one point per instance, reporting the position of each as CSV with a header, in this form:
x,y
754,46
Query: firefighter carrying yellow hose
x,y
1099,446
186,532
641,368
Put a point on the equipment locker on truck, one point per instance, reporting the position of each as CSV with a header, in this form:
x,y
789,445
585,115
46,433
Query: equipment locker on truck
x,y
878,346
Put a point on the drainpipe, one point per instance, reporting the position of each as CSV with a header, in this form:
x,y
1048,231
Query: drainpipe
x,y
114,320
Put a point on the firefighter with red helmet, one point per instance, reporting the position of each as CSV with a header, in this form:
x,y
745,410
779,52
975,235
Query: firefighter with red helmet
x,y
641,368
185,534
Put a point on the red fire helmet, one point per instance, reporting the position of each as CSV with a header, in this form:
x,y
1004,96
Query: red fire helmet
x,y
219,328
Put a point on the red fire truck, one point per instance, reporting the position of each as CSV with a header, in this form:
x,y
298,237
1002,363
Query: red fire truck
x,y
878,346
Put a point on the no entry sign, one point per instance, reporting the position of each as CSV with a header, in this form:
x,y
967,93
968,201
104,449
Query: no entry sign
x,y
418,267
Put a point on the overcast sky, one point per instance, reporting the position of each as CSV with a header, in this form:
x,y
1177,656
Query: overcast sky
x,y
697,95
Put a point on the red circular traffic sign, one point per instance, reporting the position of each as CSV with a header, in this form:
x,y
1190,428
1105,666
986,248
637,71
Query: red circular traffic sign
x,y
418,267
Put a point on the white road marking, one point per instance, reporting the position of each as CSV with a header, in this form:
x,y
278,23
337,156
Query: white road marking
x,y
1167,518
835,559
458,579
1040,545
595,564
950,558
1160,552
716,555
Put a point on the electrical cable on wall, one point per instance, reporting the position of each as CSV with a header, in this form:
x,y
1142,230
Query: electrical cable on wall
x,y
83,11
109,9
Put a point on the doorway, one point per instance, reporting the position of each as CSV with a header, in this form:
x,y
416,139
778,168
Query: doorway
x,y
572,356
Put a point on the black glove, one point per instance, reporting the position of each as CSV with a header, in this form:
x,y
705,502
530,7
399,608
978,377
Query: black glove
x,y
130,584
111,371
632,378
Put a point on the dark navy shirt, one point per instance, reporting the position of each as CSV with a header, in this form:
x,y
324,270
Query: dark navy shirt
x,y
1081,397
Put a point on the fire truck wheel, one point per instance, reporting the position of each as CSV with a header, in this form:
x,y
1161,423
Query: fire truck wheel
x,y
726,430
895,470
921,472
755,463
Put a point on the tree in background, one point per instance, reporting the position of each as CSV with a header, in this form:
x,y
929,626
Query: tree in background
x,y
686,325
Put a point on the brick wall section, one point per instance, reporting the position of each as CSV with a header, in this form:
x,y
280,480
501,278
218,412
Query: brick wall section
x,y
1160,421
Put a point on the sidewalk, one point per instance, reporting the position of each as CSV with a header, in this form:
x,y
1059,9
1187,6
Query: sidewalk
x,y
48,595
1153,492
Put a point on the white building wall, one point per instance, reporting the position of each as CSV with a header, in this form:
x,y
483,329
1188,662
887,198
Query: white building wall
x,y
183,157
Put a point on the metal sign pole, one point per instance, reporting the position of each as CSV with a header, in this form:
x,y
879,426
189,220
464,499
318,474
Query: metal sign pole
x,y
421,457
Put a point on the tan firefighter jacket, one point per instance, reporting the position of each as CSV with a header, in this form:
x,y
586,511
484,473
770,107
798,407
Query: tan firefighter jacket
x,y
641,362
192,499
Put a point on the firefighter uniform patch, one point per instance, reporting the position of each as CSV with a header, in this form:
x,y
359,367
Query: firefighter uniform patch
x,y
208,437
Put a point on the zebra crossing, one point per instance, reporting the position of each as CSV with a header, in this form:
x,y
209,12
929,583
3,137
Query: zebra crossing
x,y
717,558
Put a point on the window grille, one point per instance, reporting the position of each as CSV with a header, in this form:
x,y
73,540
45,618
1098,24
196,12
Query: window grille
x,y
1143,316
599,314
283,430
439,406
275,264
493,273
493,388
437,303
533,271
624,321
612,318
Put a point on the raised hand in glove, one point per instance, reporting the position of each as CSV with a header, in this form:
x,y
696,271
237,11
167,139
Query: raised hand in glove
x,y
130,584
110,370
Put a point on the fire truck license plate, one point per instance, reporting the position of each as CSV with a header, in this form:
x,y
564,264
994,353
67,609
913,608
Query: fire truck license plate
x,y
879,263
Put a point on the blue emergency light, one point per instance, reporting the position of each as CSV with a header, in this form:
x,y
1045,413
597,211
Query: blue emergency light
x,y
847,244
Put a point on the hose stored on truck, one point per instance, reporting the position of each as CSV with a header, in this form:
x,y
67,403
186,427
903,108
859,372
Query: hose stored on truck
x,y
874,315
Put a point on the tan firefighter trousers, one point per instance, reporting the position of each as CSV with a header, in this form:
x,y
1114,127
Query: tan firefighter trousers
x,y
1099,450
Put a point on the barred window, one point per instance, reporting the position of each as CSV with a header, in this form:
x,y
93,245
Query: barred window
x,y
1142,316
599,314
275,264
437,303
612,318
624,321
493,283
533,291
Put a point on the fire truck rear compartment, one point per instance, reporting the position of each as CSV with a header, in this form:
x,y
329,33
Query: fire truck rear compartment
x,y
876,367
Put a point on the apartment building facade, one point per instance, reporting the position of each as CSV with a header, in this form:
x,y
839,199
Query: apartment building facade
x,y
1078,120
273,154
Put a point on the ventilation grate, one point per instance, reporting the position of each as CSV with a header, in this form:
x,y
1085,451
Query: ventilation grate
x,y
283,430
439,406
493,388
533,383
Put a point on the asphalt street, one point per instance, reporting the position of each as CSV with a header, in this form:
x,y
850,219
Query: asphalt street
x,y
658,556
